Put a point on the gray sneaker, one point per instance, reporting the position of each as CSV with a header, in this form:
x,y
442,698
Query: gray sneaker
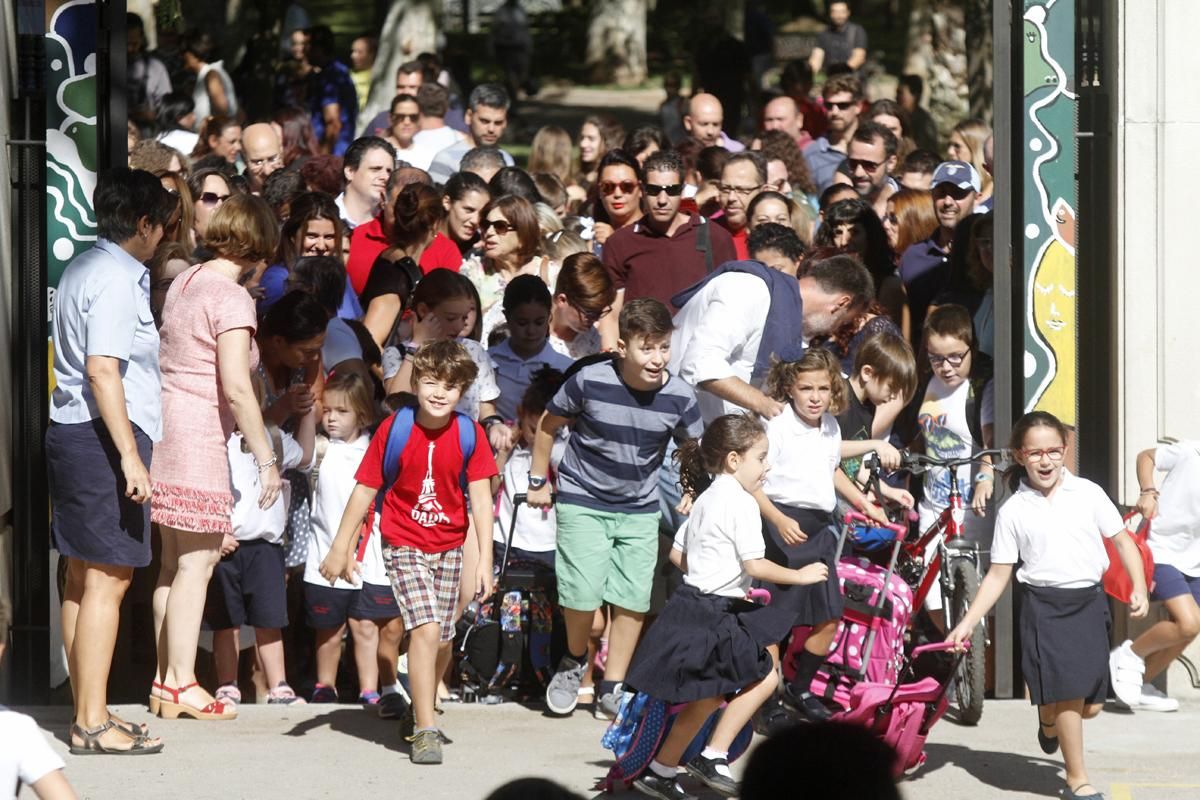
x,y
427,747
562,693
607,706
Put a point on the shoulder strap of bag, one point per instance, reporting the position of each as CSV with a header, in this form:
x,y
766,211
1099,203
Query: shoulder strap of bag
x,y
704,245
466,443
398,435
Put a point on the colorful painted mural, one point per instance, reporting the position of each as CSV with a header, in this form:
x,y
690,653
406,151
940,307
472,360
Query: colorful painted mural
x,y
1047,144
71,143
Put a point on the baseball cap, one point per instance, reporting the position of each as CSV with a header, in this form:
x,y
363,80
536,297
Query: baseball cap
x,y
959,173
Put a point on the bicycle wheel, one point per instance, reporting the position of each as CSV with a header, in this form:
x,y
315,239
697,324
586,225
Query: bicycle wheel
x,y
969,679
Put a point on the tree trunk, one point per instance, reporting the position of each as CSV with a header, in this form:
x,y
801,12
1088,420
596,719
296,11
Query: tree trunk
x,y
616,48
937,51
411,28
979,59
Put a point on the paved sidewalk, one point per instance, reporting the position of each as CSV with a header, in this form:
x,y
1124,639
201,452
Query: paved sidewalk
x,y
344,751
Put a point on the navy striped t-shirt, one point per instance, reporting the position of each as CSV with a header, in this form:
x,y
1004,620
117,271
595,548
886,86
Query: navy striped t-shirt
x,y
616,447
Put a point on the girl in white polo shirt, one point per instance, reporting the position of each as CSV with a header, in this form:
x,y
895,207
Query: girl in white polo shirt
x,y
797,502
1054,524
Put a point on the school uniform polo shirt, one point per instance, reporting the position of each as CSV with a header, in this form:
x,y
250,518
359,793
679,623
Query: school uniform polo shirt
x,y
1058,539
646,263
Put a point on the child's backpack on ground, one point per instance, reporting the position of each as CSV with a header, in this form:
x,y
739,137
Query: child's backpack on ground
x,y
868,607
641,725
507,641
899,715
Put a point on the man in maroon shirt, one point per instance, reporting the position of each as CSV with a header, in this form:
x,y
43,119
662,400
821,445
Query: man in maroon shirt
x,y
664,252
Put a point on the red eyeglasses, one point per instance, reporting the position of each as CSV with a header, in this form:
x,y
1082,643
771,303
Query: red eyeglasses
x,y
609,187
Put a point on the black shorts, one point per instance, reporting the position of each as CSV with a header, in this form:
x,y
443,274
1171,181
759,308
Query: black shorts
x,y
248,587
328,607
91,518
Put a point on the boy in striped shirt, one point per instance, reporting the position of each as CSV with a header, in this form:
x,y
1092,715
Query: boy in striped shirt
x,y
625,410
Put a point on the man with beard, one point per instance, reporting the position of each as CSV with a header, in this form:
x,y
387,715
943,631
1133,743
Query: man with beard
x,y
665,251
731,325
924,265
487,117
843,100
871,159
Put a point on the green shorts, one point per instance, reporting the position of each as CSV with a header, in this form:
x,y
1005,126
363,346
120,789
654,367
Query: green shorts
x,y
605,557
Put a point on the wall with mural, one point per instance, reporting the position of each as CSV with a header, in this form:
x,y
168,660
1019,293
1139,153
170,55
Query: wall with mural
x,y
1047,145
71,143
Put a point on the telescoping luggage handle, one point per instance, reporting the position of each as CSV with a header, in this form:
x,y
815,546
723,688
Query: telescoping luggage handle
x,y
933,647
517,501
852,518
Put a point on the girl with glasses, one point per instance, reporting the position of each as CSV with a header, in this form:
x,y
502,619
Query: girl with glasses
x,y
1054,525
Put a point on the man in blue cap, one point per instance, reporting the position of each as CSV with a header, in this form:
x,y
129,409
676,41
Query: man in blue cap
x,y
924,267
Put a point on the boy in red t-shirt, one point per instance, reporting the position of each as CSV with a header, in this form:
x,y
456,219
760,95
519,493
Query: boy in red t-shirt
x,y
424,525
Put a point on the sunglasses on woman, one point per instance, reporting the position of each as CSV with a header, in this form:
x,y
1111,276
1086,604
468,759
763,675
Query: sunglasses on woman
x,y
502,226
212,198
609,187
405,117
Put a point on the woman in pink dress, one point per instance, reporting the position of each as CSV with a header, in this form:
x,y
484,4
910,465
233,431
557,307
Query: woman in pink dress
x,y
206,357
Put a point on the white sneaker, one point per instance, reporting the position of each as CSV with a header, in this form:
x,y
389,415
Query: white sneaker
x,y
1125,669
1154,700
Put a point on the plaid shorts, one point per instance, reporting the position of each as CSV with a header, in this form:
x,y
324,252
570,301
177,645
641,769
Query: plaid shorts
x,y
425,585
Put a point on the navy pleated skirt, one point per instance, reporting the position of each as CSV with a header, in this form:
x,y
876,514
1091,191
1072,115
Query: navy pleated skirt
x,y
701,646
91,518
1064,643
815,603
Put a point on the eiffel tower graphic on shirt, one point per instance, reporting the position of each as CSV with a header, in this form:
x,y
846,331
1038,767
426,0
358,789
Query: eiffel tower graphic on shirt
x,y
428,511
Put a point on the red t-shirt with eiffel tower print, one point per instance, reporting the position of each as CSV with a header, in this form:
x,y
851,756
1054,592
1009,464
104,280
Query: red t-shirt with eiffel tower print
x,y
426,508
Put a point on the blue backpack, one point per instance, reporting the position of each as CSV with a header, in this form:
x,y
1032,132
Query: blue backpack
x,y
636,734
398,435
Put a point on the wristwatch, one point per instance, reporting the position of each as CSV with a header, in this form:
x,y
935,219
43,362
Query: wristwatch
x,y
536,482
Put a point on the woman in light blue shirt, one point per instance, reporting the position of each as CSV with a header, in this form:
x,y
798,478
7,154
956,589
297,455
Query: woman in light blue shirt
x,y
104,417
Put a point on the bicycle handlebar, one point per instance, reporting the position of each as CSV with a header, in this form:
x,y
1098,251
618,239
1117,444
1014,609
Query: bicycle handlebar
x,y
899,529
920,462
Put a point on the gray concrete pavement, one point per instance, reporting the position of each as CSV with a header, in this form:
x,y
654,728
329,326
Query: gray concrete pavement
x,y
339,751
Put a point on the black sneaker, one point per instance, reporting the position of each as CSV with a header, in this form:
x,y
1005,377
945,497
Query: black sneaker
x,y
807,705
392,706
663,788
408,724
705,769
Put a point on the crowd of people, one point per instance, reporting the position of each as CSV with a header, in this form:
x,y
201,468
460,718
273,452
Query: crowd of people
x,y
320,358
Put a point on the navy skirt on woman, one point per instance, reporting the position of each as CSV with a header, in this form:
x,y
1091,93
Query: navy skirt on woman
x,y
701,646
814,603
91,518
1064,643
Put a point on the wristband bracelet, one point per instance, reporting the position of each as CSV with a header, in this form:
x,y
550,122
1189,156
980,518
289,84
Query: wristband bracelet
x,y
1150,491
488,422
266,464
983,478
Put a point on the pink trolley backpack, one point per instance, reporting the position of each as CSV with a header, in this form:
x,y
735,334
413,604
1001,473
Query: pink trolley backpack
x,y
869,642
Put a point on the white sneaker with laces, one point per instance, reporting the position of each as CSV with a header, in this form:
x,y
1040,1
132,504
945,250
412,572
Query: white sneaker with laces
x,y
1154,700
1126,669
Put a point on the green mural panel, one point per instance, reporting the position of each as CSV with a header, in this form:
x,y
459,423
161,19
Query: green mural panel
x,y
71,143
1047,149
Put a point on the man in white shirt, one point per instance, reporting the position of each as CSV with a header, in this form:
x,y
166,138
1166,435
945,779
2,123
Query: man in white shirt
x,y
435,135
729,326
368,164
487,118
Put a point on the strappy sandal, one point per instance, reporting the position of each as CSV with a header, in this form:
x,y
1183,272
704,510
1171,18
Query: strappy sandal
x,y
1049,744
1073,794
174,709
92,745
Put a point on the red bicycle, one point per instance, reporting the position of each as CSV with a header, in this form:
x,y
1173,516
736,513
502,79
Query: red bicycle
x,y
955,568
